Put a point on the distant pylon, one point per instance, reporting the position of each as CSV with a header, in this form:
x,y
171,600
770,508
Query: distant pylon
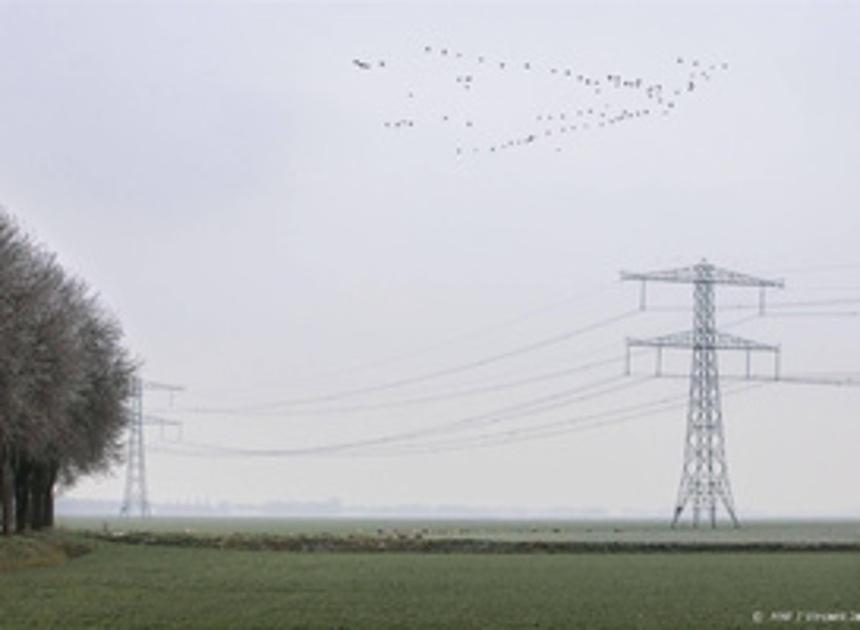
x,y
135,476
135,499
704,475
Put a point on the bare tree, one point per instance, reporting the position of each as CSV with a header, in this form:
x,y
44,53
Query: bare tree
x,y
64,381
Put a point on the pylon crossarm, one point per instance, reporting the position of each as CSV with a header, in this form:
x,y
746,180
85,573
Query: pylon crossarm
x,y
162,386
687,340
703,272
158,420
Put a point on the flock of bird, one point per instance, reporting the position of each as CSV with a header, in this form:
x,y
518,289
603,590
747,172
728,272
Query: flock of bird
x,y
597,98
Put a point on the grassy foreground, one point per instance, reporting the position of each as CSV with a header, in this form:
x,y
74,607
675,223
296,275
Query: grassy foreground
x,y
41,550
119,586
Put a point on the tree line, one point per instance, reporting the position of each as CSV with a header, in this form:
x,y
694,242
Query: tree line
x,y
65,379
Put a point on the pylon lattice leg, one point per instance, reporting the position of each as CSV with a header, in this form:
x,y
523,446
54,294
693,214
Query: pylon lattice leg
x,y
704,476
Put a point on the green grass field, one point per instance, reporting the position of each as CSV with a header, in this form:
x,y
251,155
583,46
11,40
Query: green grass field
x,y
119,585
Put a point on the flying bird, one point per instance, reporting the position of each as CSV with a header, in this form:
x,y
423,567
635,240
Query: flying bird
x,y
597,105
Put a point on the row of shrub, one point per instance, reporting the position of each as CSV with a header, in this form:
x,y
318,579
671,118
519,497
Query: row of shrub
x,y
353,543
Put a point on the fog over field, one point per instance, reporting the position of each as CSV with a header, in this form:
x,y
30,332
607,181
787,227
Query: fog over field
x,y
381,282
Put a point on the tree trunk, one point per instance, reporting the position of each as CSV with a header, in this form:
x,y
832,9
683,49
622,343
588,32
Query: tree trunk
x,y
50,481
6,483
44,478
38,479
49,496
23,511
5,502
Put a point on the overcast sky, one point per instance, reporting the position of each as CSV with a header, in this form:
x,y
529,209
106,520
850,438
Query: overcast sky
x,y
224,176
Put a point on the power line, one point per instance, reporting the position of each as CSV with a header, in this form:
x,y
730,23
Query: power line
x,y
817,268
845,381
796,303
498,438
472,333
531,407
483,430
561,427
771,305
815,314
463,367
281,407
479,331
504,413
454,394
536,431
213,450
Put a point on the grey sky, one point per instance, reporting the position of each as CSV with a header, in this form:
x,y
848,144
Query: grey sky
x,y
223,176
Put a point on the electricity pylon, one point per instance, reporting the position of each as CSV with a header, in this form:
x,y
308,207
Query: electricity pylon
x,y
704,476
135,477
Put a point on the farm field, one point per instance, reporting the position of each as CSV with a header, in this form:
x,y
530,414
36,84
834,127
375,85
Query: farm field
x,y
119,586
147,586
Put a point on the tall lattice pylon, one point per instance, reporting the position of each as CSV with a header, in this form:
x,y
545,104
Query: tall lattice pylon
x,y
135,498
704,476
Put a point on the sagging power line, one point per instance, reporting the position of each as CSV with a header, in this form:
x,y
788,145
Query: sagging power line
x,y
444,396
534,406
704,483
427,376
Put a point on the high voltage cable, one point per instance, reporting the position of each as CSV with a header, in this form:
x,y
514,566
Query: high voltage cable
x,y
534,406
817,268
740,321
508,433
471,333
539,431
418,400
816,314
844,381
770,305
538,405
270,411
531,407
795,290
207,450
463,367
475,332
634,412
